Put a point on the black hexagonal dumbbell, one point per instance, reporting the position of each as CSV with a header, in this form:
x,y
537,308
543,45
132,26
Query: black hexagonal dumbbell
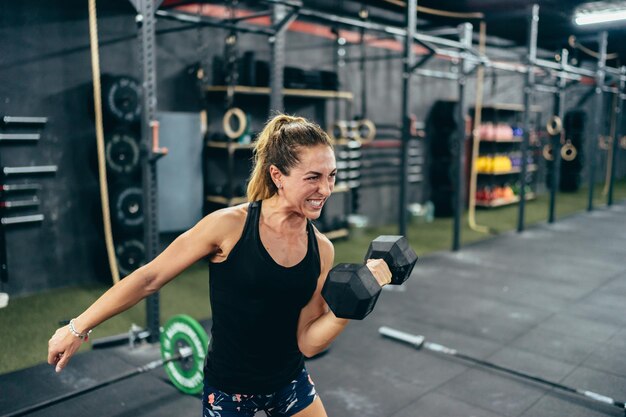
x,y
397,253
351,290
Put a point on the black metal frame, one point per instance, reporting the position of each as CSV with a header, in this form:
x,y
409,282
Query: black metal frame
x,y
597,115
461,51
146,21
465,35
620,115
559,111
409,59
533,26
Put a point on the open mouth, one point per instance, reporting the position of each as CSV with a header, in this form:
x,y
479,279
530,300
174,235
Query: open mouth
x,y
316,204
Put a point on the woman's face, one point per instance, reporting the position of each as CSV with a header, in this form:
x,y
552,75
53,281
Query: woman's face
x,y
311,181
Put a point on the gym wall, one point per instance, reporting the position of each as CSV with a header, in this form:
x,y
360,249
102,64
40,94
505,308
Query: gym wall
x,y
45,70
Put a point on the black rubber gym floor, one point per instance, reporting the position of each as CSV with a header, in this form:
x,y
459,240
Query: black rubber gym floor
x,y
550,302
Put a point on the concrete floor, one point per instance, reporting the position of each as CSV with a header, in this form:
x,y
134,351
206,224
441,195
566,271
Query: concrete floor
x,y
550,302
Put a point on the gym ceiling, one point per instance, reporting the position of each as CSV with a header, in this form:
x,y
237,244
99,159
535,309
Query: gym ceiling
x,y
507,20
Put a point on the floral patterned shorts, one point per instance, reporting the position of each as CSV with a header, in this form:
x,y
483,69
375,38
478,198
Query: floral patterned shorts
x,y
294,397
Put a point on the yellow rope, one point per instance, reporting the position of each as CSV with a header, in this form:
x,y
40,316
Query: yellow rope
x,y
480,76
438,12
446,13
574,44
97,98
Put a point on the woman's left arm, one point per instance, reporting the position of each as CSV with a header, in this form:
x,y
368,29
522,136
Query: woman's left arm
x,y
317,325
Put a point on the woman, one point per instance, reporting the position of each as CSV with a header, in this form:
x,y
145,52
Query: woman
x,y
267,268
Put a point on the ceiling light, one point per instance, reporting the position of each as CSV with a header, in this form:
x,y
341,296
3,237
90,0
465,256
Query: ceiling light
x,y
597,12
604,16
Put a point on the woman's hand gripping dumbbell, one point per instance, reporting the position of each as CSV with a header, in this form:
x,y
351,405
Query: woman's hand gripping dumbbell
x,y
351,290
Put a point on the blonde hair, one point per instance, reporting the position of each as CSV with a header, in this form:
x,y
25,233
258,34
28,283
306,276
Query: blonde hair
x,y
279,144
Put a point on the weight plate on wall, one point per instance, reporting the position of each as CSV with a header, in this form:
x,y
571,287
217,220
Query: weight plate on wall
x,y
131,254
129,207
121,98
122,153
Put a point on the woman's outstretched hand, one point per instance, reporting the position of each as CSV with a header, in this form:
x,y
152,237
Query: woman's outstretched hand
x,y
61,347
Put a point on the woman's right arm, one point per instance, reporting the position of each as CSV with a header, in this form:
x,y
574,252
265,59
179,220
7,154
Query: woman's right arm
x,y
205,238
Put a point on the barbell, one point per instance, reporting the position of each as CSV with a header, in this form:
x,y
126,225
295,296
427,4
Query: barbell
x,y
419,342
184,345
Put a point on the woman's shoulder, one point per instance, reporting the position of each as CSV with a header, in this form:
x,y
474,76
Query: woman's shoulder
x,y
228,218
222,228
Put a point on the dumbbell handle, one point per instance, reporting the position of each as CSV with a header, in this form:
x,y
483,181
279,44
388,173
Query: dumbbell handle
x,y
397,253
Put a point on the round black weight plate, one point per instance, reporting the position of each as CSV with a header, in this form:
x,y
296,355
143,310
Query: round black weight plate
x,y
130,254
121,98
181,332
122,153
129,207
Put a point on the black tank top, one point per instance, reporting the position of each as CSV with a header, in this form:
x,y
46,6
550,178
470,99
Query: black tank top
x,y
256,304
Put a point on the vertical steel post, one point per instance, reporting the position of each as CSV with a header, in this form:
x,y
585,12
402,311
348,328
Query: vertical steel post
x,y
618,131
277,60
409,58
4,266
555,140
363,13
528,96
147,55
465,35
597,116
362,68
338,63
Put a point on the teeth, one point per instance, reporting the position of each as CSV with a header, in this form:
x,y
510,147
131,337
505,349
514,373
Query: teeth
x,y
315,203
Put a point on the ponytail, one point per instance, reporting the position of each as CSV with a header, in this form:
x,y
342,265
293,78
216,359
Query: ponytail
x,y
278,144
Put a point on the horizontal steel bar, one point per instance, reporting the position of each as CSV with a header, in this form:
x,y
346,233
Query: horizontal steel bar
x,y
20,136
546,88
377,27
436,74
567,68
19,203
19,187
43,169
460,52
24,120
6,221
248,17
203,21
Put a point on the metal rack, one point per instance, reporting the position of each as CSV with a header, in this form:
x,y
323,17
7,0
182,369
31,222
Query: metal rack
x,y
467,59
9,204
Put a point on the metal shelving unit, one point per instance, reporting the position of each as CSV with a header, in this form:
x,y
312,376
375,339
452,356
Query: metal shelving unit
x,y
461,51
287,92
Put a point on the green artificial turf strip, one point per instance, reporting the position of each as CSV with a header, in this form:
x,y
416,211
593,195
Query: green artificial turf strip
x,y
28,322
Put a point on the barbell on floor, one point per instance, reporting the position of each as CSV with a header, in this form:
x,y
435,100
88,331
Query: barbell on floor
x,y
184,345
419,342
